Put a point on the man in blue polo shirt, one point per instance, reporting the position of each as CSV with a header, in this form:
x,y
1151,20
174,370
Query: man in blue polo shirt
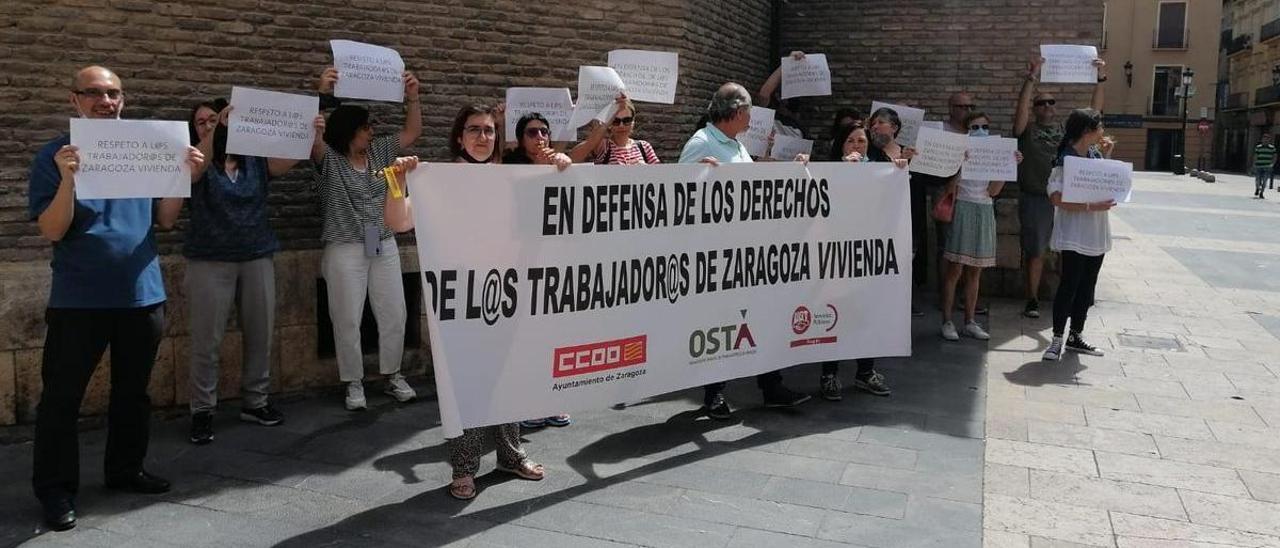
x,y
106,292
728,115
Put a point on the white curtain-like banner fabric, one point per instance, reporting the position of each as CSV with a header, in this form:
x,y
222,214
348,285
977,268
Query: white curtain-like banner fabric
x,y
550,292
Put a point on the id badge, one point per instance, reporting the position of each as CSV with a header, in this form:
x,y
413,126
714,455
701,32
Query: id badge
x,y
372,240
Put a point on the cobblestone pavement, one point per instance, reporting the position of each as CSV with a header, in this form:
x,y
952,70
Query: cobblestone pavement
x,y
1172,440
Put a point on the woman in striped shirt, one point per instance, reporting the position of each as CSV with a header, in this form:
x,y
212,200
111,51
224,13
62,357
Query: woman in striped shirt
x,y
612,144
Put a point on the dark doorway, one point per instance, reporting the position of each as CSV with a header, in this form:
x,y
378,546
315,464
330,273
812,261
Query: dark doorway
x,y
1162,144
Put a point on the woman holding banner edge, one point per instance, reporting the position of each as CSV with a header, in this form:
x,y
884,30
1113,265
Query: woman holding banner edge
x,y
229,246
360,254
473,139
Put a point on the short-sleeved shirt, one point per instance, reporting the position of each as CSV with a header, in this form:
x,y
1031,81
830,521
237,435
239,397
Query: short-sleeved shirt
x,y
351,198
635,152
107,258
1084,232
969,190
1039,146
1264,156
710,141
229,216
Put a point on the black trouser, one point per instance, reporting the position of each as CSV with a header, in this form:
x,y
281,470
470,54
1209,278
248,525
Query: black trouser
x,y
764,380
866,366
1075,291
75,342
919,231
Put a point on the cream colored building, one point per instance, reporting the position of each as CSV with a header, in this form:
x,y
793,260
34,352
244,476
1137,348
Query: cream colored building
x,y
1149,46
1249,99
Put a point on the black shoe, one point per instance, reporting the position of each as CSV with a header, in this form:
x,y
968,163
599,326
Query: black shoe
x,y
141,482
872,384
981,310
59,514
717,408
1076,344
830,388
265,415
781,396
201,427
1032,310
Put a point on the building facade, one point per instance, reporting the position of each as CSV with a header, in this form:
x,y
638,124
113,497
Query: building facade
x,y
1249,97
1151,47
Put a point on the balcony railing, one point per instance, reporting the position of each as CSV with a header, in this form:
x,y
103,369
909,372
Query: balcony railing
x,y
1237,100
1269,30
1266,95
1239,44
1171,42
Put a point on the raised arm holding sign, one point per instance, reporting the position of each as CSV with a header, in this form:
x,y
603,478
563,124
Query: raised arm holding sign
x,y
806,76
650,76
271,124
597,89
366,71
1066,64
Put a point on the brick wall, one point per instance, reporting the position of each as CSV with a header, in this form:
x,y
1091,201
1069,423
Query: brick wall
x,y
918,52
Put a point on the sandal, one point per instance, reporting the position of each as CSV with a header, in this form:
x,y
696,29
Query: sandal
x,y
463,488
559,420
527,469
533,424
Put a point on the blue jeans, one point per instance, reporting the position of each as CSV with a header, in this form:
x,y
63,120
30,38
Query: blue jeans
x,y
1262,176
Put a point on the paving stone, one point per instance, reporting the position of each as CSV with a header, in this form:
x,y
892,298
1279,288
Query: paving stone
x,y
1245,435
1167,425
1042,542
1169,473
1215,453
748,512
755,538
1088,397
1047,519
928,512
955,486
1262,486
992,538
633,527
1134,498
1226,411
891,533
842,451
506,535
1155,387
1039,410
1041,457
1083,437
790,466
855,500
1001,479
1239,514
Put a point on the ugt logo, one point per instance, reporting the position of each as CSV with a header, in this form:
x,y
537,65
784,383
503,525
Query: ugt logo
x,y
723,341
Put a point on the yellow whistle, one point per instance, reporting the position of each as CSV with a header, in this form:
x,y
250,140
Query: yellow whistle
x,y
393,183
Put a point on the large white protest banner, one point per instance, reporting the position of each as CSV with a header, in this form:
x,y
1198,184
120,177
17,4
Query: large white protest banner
x,y
786,148
598,89
1086,180
579,289
939,153
271,124
1065,64
650,76
554,104
912,119
131,159
805,77
366,71
756,137
991,159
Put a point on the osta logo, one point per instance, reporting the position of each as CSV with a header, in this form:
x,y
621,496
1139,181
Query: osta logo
x,y
722,341
601,356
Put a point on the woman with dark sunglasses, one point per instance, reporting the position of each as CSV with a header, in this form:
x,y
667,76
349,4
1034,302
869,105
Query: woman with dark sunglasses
x,y
612,144
533,143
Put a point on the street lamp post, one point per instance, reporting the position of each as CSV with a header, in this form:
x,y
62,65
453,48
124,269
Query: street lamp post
x,y
1179,164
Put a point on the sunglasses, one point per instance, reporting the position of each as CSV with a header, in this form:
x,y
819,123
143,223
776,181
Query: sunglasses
x,y
536,132
99,94
624,121
477,131
1044,102
980,126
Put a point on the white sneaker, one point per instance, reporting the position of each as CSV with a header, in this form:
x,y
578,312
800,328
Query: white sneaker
x,y
949,331
1054,352
974,330
355,396
399,389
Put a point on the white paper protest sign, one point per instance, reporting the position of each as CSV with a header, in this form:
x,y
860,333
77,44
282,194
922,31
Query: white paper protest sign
x,y
650,76
598,87
557,305
131,159
554,104
939,153
991,159
806,77
366,71
271,124
912,119
756,137
1086,180
1064,64
935,124
786,148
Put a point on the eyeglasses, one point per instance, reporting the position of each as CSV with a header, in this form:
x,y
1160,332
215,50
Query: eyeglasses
x,y
966,107
98,94
979,126
1044,102
477,131
624,121
210,121
534,132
